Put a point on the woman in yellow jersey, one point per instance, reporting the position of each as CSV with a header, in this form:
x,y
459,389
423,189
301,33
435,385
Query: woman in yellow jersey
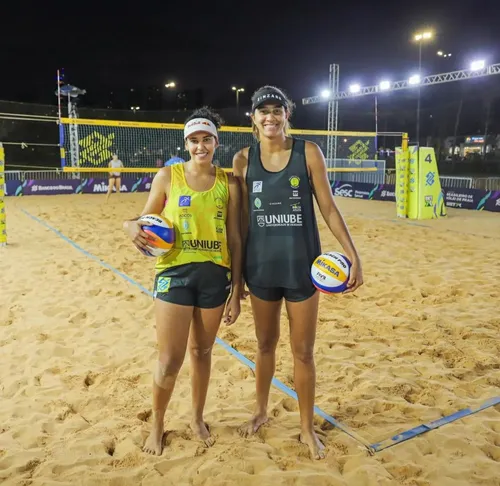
x,y
195,279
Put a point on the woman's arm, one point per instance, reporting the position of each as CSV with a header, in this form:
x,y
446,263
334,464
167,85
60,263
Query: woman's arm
x,y
233,229
240,166
334,220
154,205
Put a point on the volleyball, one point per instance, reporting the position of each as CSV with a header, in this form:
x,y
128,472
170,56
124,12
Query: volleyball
x,y
330,272
161,234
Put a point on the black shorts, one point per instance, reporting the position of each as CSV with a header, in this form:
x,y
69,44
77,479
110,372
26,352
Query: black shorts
x,y
277,293
204,285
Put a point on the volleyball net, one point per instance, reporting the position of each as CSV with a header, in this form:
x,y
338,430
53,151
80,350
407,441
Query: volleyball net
x,y
88,145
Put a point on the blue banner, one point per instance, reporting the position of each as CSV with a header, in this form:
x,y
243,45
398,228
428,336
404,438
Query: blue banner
x,y
476,199
73,186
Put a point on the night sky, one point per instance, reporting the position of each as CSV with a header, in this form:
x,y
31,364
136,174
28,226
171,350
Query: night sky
x,y
214,45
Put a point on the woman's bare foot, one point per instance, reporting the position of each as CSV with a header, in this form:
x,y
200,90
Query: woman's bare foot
x,y
250,428
154,442
316,447
201,430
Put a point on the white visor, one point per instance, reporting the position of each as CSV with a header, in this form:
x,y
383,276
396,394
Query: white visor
x,y
200,125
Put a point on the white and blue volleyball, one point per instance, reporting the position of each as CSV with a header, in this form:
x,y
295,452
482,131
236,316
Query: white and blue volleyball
x,y
330,272
161,234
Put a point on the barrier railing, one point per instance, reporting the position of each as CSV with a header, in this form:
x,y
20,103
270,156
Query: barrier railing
x,y
389,177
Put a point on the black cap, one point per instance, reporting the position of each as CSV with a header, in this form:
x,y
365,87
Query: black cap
x,y
268,95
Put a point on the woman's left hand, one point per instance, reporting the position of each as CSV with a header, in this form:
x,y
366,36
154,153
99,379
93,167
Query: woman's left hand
x,y
233,308
355,277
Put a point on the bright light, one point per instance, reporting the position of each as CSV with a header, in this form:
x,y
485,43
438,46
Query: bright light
x,y
234,88
385,85
415,79
134,108
423,36
477,65
355,88
247,114
439,53
178,148
171,84
325,93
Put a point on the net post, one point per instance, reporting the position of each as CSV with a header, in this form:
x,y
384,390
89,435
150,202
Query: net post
x,y
3,216
402,178
62,152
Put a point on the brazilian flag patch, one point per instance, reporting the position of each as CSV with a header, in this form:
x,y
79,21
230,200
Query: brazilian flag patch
x,y
163,285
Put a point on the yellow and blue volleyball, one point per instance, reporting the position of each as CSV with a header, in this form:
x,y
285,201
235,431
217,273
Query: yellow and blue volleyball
x,y
330,272
161,234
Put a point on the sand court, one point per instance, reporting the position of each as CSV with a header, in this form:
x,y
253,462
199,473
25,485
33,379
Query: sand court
x,y
418,341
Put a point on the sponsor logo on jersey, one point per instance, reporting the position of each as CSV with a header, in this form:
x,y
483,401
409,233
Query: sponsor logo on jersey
x,y
209,245
294,182
184,201
274,220
257,186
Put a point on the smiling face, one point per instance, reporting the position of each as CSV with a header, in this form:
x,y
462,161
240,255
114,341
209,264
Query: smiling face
x,y
201,146
271,120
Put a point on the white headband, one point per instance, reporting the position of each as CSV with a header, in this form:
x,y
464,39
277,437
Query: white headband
x,y
200,125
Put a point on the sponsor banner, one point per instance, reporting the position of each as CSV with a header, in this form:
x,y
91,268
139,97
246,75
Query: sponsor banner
x,y
49,186
364,190
99,186
472,199
13,188
73,186
454,198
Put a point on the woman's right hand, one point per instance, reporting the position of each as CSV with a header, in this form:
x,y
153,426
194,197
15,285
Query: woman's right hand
x,y
136,234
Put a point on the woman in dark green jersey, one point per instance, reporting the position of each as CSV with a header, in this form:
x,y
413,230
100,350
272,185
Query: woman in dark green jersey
x,y
193,281
279,175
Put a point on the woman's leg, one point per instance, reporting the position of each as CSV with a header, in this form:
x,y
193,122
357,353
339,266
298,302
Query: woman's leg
x,y
266,316
303,318
204,328
118,183
172,330
111,183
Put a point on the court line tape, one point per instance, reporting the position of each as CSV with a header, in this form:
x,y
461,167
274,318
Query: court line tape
x,y
243,359
422,429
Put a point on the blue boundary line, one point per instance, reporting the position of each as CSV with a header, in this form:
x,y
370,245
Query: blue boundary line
x,y
371,448
422,429
243,359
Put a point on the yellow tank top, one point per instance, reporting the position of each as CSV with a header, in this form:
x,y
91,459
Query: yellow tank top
x,y
199,219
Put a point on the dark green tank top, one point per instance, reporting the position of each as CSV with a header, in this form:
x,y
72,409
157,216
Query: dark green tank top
x,y
283,238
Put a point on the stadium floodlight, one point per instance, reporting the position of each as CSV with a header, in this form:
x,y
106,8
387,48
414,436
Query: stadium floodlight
x,y
423,36
440,53
325,93
171,84
384,85
355,88
415,79
477,65
135,108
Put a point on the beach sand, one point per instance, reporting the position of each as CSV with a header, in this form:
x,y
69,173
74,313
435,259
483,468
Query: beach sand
x,y
419,341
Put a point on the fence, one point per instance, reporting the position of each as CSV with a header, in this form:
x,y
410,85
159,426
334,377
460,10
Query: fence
x,y
450,182
377,177
387,176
